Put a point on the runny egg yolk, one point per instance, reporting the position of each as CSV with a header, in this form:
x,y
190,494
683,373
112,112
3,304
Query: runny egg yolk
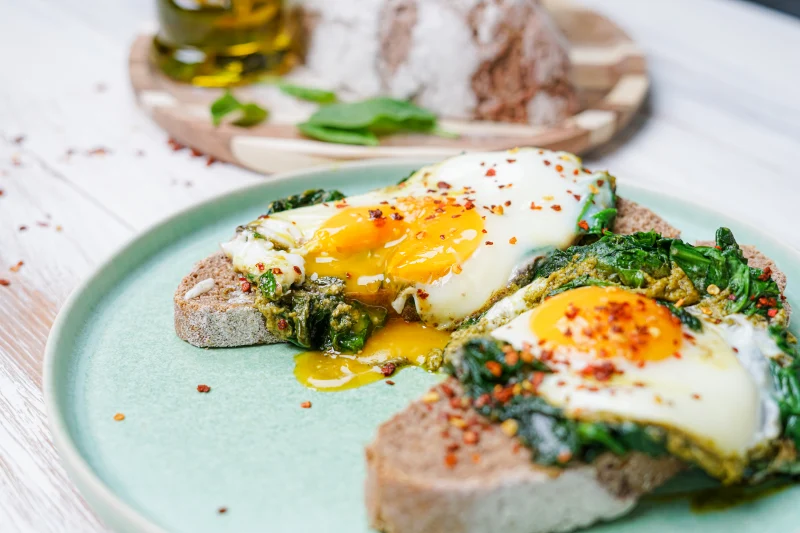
x,y
398,341
414,240
608,322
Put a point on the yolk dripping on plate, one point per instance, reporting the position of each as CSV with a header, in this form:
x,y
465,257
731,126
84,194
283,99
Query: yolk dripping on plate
x,y
398,340
609,322
416,240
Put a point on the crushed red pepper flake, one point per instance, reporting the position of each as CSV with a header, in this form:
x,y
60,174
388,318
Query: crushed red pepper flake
x,y
511,161
389,382
577,197
260,266
766,274
491,172
246,286
119,417
306,405
772,312
470,437
512,240
4,282
210,160
16,267
222,510
23,228
535,207
489,243
450,460
422,294
277,271
546,163
583,225
555,207
282,324
443,185
696,396
388,369
203,388
559,168
297,269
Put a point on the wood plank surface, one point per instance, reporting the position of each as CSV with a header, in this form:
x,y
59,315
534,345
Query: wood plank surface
x,y
722,127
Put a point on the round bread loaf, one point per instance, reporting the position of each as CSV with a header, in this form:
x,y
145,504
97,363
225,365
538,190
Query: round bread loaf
x,y
503,60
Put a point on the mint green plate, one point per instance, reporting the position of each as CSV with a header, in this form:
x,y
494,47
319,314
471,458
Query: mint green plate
x,y
247,445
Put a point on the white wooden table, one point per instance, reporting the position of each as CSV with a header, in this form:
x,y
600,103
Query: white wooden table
x,y
723,127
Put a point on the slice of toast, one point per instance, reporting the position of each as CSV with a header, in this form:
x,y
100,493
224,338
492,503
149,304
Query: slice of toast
x,y
225,315
425,475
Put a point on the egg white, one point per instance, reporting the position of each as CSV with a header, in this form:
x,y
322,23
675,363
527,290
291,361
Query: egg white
x,y
711,394
553,181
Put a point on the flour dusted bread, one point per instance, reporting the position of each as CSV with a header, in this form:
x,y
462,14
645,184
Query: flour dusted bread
x,y
422,478
226,316
503,60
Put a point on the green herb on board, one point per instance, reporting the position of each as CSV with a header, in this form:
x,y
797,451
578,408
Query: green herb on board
x,y
250,114
309,94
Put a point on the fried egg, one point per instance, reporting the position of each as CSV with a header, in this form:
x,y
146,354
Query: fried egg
x,y
445,240
620,356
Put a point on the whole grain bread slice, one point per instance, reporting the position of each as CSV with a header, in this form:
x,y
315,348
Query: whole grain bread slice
x,y
226,316
438,466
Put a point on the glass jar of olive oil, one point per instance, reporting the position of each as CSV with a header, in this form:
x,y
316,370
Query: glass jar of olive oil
x,y
219,43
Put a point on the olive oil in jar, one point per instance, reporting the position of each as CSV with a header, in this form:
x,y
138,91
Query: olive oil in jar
x,y
219,43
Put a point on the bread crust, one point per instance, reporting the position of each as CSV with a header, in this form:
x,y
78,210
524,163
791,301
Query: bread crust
x,y
224,316
423,478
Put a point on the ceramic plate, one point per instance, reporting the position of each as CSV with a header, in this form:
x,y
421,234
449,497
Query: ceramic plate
x,y
247,445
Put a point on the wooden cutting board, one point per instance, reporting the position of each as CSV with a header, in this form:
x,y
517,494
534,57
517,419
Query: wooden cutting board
x,y
609,70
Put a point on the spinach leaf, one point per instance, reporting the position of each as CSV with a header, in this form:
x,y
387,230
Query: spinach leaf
x,y
268,285
309,94
316,315
752,290
686,318
379,115
786,381
309,197
360,136
250,113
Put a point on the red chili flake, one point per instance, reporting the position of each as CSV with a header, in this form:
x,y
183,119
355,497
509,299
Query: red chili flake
x,y
375,214
677,355
222,510
735,349
196,153
600,183
19,139
469,205
470,437
23,228
4,282
2,192
306,405
555,207
537,379
282,324
450,460
766,274
583,225
559,168
511,160
388,369
16,267
245,286
696,396
422,294
389,382
277,271
564,456
491,172
546,163
260,266
575,172
577,197
495,368
732,297
347,275
772,312
297,269
203,388
601,371
443,185
535,207
489,243
98,151
572,311
210,160
512,240
507,203
396,216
